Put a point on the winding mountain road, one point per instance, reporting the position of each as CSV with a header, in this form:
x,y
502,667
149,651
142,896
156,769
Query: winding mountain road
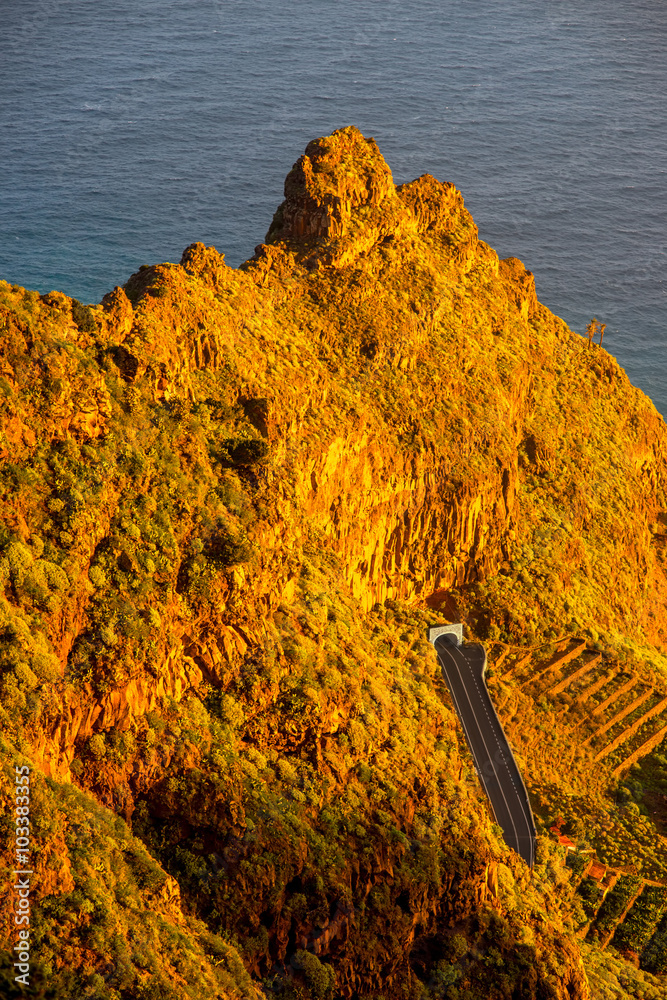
x,y
463,668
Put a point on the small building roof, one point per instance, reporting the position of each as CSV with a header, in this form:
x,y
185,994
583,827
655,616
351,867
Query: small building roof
x,y
597,870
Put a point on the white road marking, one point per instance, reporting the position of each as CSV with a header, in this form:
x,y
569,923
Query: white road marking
x,y
493,723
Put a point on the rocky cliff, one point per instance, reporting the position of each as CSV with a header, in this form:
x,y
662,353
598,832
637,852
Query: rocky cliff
x,y
233,502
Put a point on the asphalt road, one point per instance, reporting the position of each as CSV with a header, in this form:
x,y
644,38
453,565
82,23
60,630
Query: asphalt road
x,y
463,669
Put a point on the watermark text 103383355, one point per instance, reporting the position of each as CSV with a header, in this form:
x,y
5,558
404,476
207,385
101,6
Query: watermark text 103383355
x,y
22,874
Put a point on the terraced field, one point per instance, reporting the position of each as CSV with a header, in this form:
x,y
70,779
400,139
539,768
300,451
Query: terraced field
x,y
572,709
625,712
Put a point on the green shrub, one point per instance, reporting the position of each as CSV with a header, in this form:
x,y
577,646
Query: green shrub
x,y
147,873
247,451
287,772
228,546
108,636
226,708
457,947
97,746
364,772
83,316
321,979
232,495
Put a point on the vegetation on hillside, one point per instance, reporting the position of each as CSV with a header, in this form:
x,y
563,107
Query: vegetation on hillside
x,y
233,503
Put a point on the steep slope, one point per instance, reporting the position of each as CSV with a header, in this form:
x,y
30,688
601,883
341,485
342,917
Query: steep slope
x,y
234,500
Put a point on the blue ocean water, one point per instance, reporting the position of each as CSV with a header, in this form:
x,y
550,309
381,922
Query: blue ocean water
x,y
129,130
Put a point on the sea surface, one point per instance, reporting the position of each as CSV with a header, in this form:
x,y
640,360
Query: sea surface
x,y
130,129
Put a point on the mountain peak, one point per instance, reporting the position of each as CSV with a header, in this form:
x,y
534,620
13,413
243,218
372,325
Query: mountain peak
x,y
340,201
336,175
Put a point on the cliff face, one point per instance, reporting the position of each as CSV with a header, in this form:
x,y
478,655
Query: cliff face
x,y
233,502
